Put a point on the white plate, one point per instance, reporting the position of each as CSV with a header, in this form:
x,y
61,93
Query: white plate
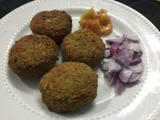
x,y
21,99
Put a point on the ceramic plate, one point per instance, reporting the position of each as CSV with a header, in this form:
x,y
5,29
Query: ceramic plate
x,y
20,99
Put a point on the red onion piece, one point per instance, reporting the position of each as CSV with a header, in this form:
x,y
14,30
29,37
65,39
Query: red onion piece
x,y
134,46
114,47
135,61
122,61
131,38
130,46
104,66
112,66
106,60
119,86
107,53
108,75
137,55
125,74
134,77
136,58
124,45
124,57
107,46
136,68
114,79
117,40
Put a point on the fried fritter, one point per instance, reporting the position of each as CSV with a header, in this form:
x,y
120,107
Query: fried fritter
x,y
33,55
83,46
55,24
68,86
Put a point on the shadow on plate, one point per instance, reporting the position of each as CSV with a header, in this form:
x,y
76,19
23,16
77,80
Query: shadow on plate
x,y
96,69
129,85
23,83
31,82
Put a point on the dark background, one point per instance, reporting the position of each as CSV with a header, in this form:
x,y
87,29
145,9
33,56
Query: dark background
x,y
149,8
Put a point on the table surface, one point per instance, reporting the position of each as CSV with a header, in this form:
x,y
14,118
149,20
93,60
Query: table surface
x,y
149,8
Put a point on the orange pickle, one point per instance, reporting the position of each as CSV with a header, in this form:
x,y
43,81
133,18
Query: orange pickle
x,y
98,22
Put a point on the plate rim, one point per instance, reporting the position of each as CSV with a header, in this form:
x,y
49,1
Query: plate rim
x,y
153,28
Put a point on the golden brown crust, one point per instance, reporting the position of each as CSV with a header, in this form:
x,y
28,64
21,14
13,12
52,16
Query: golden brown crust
x,y
33,55
68,86
54,24
83,46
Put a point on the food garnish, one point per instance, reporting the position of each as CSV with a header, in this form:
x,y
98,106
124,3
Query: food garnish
x,y
98,22
122,63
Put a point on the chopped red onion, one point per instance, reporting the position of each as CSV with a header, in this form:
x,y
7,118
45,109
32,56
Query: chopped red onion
x,y
108,75
124,57
134,77
134,46
104,66
117,40
114,79
130,46
125,74
124,45
131,38
136,58
112,66
136,68
105,60
107,46
122,63
136,61
119,86
107,53
114,47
